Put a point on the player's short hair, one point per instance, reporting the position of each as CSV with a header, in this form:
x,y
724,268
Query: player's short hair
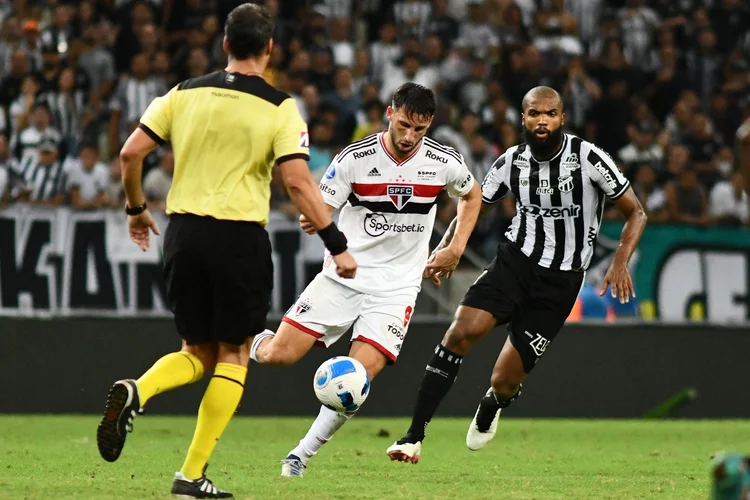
x,y
543,93
415,99
248,29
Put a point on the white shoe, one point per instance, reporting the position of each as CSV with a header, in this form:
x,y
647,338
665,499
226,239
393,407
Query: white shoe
x,y
476,439
405,452
293,466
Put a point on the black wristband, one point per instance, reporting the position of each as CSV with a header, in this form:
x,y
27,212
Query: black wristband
x,y
333,239
136,210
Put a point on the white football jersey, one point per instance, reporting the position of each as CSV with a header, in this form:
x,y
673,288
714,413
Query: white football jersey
x,y
388,208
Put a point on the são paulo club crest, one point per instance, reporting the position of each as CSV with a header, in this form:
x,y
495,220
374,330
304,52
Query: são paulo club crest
x,y
400,195
302,307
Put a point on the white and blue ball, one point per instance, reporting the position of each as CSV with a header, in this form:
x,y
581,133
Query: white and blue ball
x,y
341,384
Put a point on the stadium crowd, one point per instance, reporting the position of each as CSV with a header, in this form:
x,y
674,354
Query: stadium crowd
x,y
662,85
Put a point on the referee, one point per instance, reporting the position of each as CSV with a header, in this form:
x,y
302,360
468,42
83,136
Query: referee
x,y
227,129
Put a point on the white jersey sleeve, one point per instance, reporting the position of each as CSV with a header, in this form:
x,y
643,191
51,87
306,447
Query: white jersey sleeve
x,y
604,173
336,186
496,183
459,180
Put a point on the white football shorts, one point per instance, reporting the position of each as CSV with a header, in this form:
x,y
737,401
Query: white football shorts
x,y
326,310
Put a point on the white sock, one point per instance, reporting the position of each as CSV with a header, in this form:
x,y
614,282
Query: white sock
x,y
256,342
321,431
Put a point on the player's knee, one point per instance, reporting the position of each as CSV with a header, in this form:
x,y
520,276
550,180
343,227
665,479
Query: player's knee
x,y
206,353
234,354
460,337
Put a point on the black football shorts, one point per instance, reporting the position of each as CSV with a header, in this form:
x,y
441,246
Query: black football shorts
x,y
219,278
534,301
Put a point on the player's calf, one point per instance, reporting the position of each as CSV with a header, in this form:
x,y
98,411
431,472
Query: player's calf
x,y
285,347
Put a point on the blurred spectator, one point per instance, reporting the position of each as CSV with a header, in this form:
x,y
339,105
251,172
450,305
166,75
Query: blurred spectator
x,y
11,42
342,98
158,181
321,154
67,110
98,64
385,51
409,70
10,89
32,43
686,199
639,23
343,49
703,63
703,147
20,109
115,191
580,93
58,34
43,177
26,142
133,95
374,121
475,33
728,202
643,149
440,23
652,196
88,180
8,171
412,17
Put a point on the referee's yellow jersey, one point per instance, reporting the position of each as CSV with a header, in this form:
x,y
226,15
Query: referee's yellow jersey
x,y
226,130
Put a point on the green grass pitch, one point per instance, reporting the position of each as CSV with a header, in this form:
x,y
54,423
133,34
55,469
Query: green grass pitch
x,y
56,457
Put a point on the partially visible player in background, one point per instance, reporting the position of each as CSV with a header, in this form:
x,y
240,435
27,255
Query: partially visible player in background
x,y
227,129
559,182
387,186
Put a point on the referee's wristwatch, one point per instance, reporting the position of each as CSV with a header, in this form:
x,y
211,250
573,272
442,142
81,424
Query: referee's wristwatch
x,y
136,210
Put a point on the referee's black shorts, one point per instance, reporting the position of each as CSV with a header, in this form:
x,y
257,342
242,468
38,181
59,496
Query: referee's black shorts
x,y
219,277
533,300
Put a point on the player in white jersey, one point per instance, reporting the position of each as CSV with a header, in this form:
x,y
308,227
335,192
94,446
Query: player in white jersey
x,y
387,187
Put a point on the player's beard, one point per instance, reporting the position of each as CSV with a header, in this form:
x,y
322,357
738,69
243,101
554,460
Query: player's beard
x,y
395,142
543,149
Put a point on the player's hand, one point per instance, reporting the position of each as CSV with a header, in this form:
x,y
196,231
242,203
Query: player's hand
x,y
140,227
306,225
441,263
618,278
346,266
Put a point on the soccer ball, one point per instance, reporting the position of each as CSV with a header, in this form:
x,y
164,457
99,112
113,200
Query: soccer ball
x,y
341,384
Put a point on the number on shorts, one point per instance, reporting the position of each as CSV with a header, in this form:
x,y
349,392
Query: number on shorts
x,y
407,315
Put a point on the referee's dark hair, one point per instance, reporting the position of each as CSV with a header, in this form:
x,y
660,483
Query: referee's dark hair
x,y
248,29
416,100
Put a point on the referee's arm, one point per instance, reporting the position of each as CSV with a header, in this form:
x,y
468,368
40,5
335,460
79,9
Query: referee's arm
x,y
290,149
154,130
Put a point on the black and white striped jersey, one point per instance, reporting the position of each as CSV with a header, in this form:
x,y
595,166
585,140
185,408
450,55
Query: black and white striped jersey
x,y
43,182
559,202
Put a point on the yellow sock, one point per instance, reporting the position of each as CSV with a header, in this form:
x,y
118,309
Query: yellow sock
x,y
219,403
170,372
